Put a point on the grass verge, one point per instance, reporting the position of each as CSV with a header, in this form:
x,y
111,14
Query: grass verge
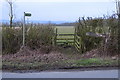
x,y
66,64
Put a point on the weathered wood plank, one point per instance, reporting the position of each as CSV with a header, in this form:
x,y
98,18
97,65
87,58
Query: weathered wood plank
x,y
65,34
65,42
65,38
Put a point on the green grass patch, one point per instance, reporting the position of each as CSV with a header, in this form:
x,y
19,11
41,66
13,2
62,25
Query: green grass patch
x,y
92,62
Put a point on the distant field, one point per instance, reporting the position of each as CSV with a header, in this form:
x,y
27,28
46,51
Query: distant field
x,y
65,29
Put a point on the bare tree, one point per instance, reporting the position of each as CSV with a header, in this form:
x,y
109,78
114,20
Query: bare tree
x,y
118,26
118,6
118,13
10,2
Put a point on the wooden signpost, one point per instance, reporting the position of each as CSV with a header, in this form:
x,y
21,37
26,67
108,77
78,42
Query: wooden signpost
x,y
25,14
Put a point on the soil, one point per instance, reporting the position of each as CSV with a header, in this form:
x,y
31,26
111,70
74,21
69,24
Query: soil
x,y
27,55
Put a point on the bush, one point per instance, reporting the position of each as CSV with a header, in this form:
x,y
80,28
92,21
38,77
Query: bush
x,y
39,36
88,25
11,40
36,37
106,26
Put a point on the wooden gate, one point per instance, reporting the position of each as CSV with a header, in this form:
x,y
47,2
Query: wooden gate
x,y
64,35
68,36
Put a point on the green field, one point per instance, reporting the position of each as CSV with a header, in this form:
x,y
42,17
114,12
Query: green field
x,y
65,29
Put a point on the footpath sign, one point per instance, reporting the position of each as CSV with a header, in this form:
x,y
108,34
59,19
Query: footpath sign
x,y
27,14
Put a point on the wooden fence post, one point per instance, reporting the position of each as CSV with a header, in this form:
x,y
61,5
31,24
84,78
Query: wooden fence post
x,y
74,36
80,44
55,39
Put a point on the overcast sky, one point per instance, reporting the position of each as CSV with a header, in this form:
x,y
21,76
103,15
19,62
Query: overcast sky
x,y
58,10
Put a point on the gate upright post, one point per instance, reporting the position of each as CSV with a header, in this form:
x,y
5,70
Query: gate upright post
x,y
55,39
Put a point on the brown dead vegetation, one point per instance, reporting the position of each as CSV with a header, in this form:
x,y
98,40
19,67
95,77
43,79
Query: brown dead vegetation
x,y
27,55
